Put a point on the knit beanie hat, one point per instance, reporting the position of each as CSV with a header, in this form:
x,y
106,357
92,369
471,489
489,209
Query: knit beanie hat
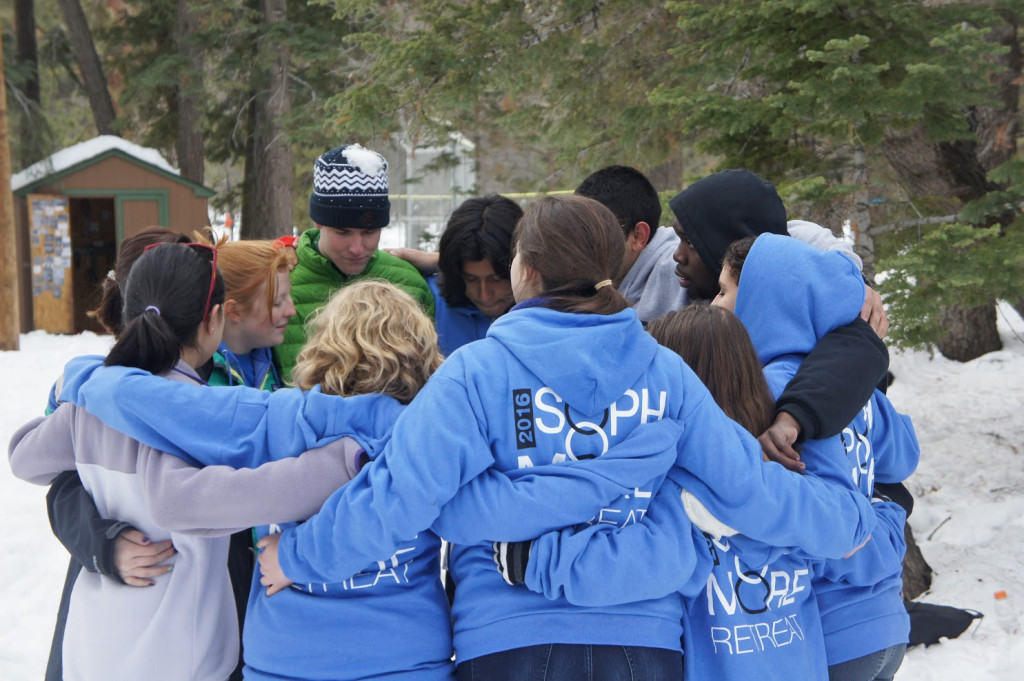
x,y
350,189
725,207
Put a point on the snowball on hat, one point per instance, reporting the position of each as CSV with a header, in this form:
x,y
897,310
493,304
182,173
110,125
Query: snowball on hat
x,y
350,189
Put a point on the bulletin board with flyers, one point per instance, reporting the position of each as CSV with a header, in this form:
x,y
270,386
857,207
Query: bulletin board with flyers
x,y
50,252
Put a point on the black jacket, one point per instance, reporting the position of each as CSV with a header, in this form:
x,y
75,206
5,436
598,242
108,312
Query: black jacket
x,y
836,380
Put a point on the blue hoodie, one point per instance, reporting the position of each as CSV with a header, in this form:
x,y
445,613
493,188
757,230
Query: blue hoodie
x,y
389,620
540,389
456,324
789,296
750,610
255,426
778,637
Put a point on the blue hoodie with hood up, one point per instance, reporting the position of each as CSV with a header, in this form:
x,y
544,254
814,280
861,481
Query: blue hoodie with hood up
x,y
789,296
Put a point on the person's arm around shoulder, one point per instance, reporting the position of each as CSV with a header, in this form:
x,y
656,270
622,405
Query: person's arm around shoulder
x,y
833,383
423,261
219,500
605,565
721,466
480,509
43,448
879,558
398,494
823,239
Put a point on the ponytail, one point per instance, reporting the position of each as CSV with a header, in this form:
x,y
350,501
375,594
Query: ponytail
x,y
166,297
576,245
108,310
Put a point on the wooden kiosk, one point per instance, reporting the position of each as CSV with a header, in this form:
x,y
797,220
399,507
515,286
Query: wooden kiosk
x,y
71,211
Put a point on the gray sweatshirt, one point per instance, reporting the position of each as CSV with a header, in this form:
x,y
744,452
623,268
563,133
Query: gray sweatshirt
x,y
651,285
185,626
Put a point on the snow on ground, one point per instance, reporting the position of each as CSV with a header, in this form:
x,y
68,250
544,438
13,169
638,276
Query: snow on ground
x,y
969,517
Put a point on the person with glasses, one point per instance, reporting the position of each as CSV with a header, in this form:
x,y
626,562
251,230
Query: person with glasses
x,y
184,624
106,546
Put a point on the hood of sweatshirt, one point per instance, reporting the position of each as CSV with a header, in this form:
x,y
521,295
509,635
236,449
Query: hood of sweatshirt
x,y
725,207
590,360
791,294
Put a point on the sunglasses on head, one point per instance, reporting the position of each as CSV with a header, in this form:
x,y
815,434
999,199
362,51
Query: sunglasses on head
x,y
203,250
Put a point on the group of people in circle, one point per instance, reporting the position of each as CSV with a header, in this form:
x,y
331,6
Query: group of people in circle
x,y
572,444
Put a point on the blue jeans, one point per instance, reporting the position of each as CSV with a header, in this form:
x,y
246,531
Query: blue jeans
x,y
567,662
879,666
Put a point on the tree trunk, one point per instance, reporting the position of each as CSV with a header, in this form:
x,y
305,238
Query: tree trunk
x,y
89,63
947,175
864,241
917,574
270,202
971,332
27,52
248,216
29,145
191,158
10,273
999,128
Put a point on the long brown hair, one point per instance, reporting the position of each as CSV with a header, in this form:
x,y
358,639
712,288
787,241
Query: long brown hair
x,y
716,345
574,243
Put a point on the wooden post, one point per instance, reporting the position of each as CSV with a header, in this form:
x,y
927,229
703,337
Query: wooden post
x,y
9,299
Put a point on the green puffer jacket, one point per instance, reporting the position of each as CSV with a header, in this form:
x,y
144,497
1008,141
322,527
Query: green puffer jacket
x,y
315,278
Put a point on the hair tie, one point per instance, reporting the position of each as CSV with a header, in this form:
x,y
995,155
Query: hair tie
x,y
154,308
111,276
601,284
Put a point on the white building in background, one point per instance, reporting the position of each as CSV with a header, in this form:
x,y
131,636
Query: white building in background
x,y
426,185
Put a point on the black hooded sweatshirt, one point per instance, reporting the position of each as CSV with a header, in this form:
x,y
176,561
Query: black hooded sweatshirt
x,y
837,378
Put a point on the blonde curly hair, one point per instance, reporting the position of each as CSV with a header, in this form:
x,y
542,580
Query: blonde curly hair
x,y
370,337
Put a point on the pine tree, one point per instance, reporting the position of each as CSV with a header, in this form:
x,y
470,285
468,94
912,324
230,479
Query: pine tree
x,y
872,102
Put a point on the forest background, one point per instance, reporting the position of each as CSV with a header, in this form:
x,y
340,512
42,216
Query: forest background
x,y
901,120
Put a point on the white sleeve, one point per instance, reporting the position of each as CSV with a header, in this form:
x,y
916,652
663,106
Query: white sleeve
x,y
822,238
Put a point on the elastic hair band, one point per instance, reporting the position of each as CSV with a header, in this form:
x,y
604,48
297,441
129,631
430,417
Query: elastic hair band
x,y
154,308
601,284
